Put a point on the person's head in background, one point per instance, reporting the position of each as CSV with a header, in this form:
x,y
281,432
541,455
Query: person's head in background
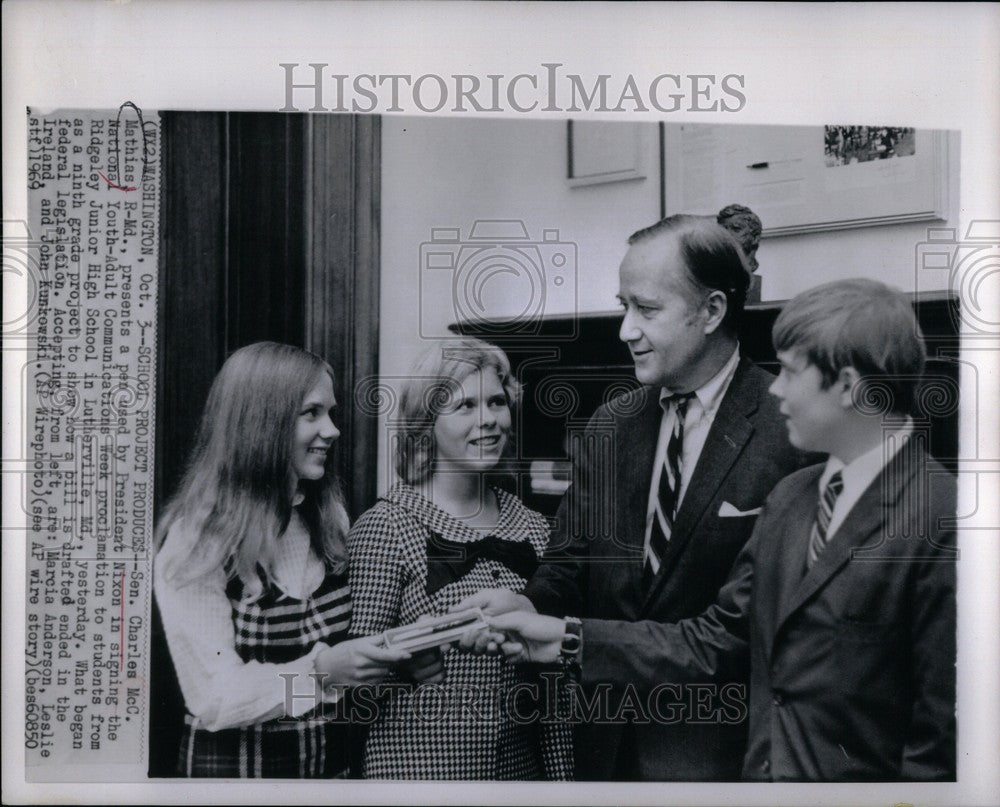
x,y
851,356
746,227
682,285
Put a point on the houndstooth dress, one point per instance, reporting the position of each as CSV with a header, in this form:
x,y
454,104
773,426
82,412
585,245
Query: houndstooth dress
x,y
484,722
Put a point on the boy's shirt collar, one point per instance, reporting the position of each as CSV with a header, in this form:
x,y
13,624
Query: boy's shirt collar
x,y
861,472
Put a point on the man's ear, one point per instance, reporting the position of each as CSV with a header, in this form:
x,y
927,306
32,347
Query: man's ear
x,y
847,383
715,308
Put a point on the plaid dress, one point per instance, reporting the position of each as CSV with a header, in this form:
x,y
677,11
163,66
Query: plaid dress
x,y
483,722
277,629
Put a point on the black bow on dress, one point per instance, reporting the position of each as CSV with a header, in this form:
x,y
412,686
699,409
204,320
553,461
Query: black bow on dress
x,y
448,561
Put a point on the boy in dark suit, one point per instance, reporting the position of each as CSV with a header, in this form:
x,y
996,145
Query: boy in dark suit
x,y
845,593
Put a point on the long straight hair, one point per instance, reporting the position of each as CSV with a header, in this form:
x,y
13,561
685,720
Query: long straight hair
x,y
236,493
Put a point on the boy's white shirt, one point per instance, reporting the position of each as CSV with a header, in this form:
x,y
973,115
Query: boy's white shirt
x,y
861,472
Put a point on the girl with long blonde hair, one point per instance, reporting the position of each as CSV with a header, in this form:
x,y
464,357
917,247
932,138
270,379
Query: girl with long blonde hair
x,y
251,576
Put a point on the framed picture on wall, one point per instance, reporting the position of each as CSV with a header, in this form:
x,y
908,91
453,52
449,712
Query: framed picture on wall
x,y
599,152
802,179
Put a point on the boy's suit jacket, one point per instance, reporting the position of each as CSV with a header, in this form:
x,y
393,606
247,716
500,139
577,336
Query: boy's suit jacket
x,y
852,662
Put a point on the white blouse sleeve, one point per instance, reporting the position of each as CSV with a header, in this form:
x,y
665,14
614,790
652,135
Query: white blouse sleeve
x,y
220,689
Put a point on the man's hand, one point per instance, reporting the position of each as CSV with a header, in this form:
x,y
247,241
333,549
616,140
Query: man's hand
x,y
495,601
520,636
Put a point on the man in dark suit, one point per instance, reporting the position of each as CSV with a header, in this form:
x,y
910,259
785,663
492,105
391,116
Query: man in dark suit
x,y
667,482
845,593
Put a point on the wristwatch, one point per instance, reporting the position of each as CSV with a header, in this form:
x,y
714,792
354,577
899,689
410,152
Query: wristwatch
x,y
571,649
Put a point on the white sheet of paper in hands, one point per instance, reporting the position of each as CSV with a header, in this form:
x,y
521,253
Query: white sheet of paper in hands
x,y
435,632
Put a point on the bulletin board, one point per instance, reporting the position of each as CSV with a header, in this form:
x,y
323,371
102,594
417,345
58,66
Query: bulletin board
x,y
802,179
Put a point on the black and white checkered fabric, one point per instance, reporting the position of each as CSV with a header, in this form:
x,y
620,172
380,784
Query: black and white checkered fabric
x,y
466,728
277,629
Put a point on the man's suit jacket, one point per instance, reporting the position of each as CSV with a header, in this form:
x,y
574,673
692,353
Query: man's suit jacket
x,y
852,662
594,566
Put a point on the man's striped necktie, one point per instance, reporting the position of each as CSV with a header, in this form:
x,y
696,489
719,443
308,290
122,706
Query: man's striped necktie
x,y
667,493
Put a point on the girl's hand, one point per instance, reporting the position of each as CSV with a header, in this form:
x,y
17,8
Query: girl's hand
x,y
426,667
357,661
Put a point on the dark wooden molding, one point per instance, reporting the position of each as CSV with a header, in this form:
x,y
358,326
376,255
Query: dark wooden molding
x,y
267,229
192,290
342,203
